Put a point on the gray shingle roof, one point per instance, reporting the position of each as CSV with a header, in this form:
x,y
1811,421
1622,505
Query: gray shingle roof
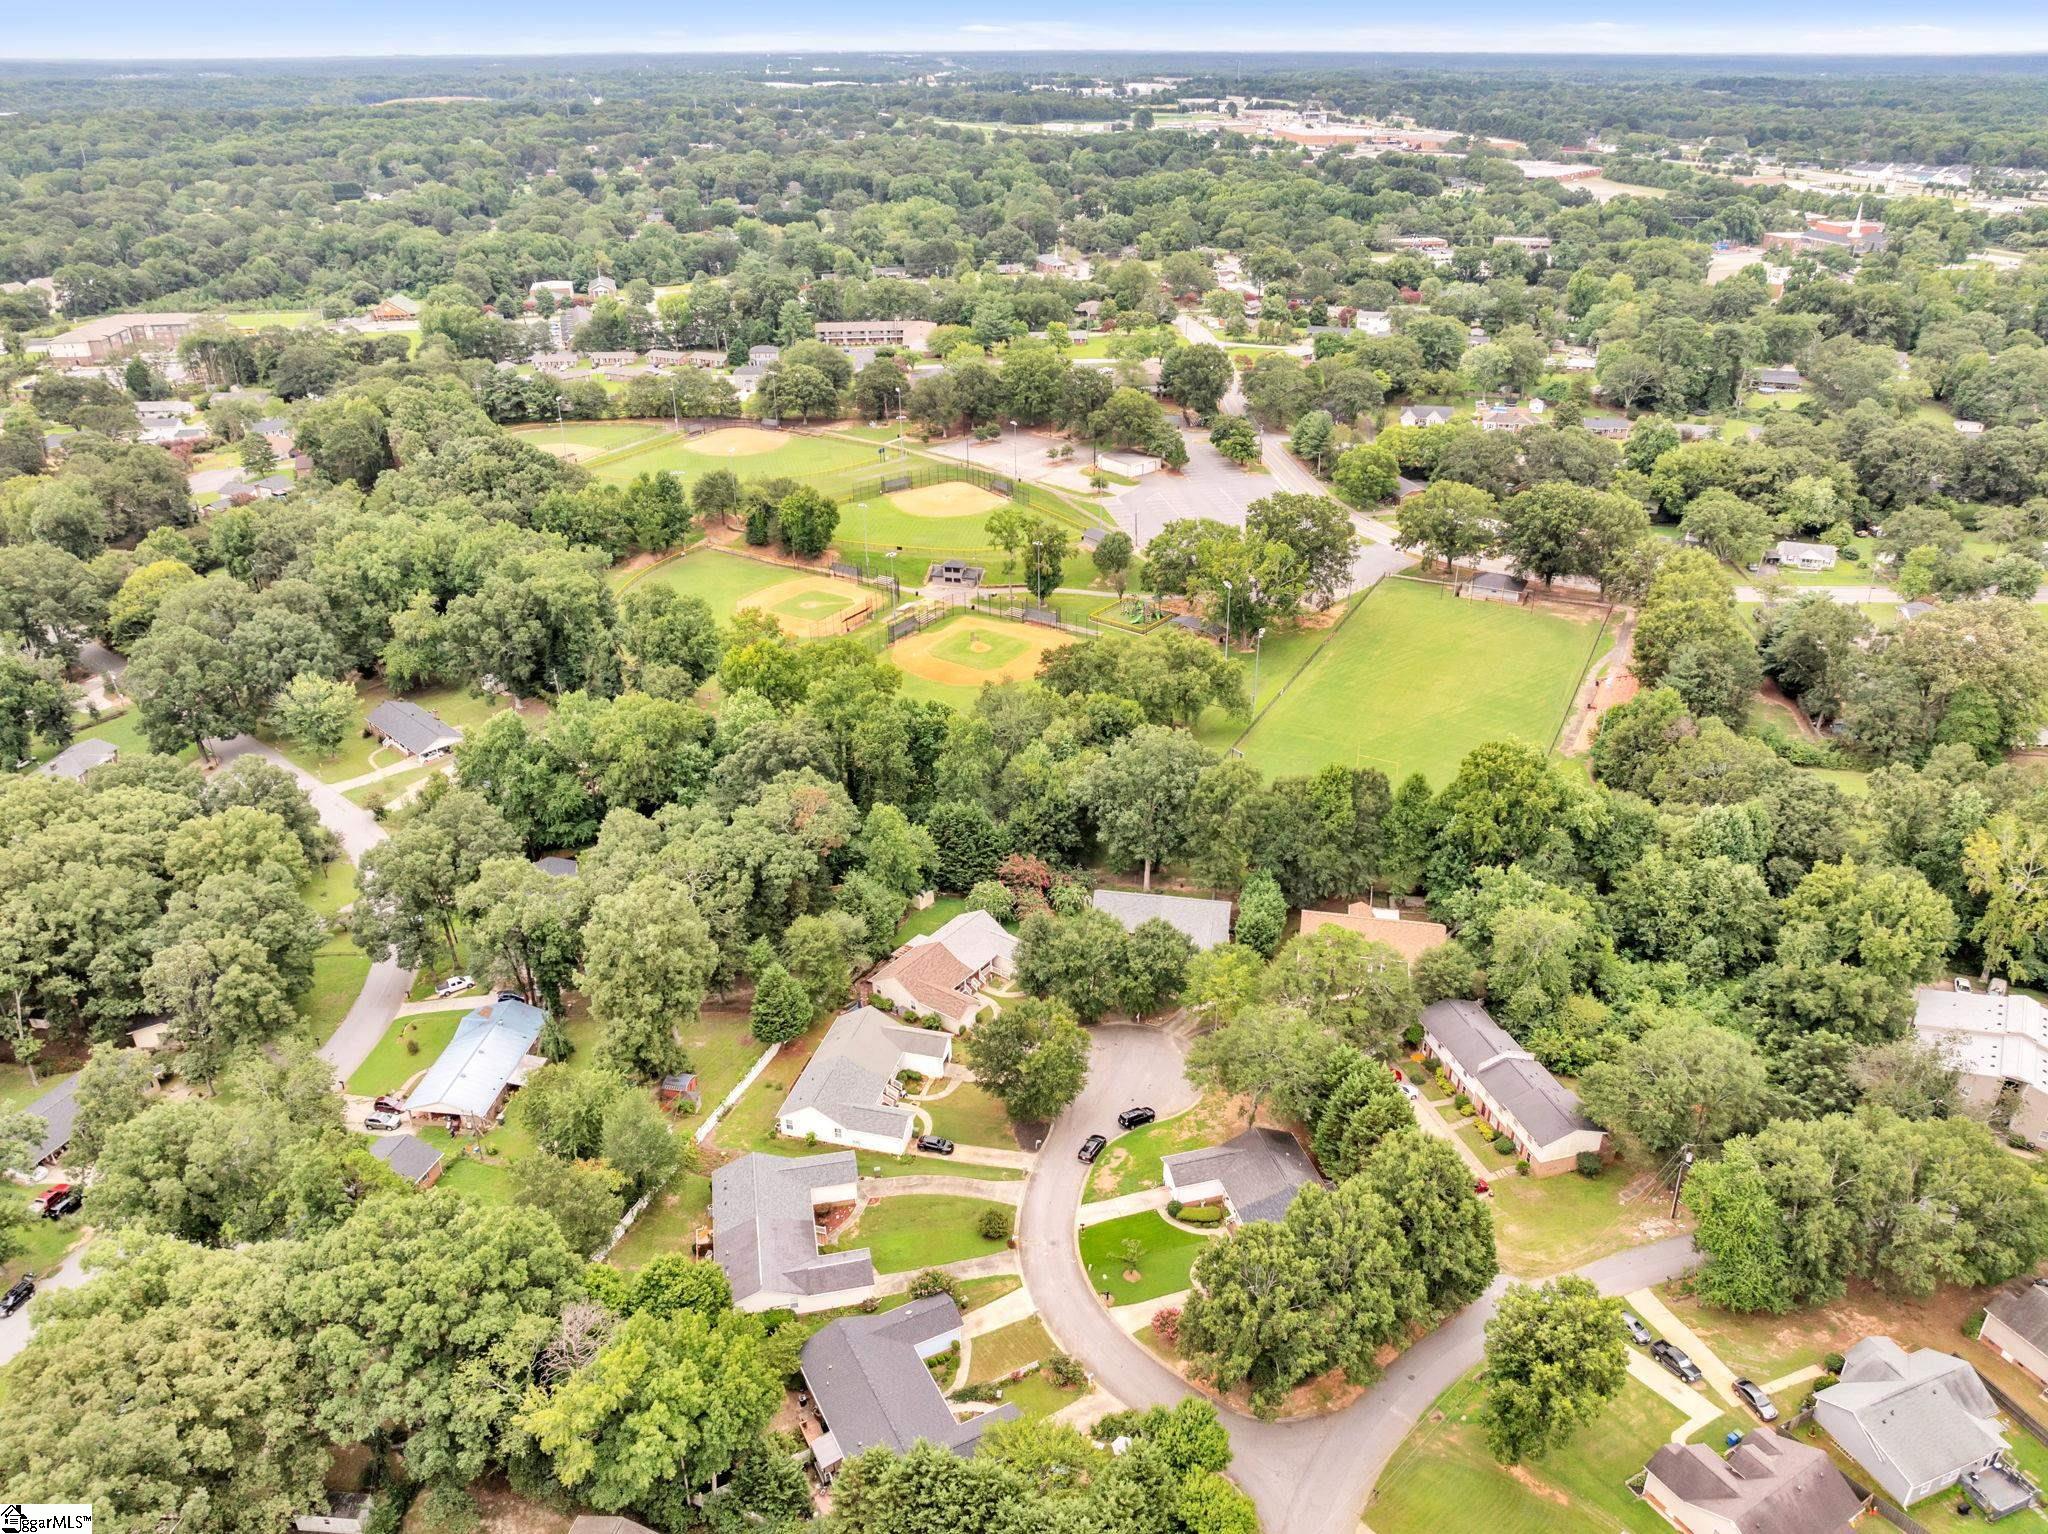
x,y
1206,922
58,1109
1927,1413
2025,1310
868,1377
1261,1170
411,728
79,758
1484,1050
849,1077
1766,1485
765,1231
407,1155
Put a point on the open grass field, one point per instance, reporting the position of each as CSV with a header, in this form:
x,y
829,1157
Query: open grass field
x,y
1418,677
749,451
1278,660
919,1230
950,660
1442,1476
1546,1225
667,1224
578,440
1160,1265
814,606
123,728
972,1116
265,319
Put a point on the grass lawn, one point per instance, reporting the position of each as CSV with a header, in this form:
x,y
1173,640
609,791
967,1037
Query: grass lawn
x,y
391,1064
971,1116
920,1230
795,456
667,1224
123,727
1168,1252
486,1176
1546,1225
17,1091
386,792
264,319
1281,657
1419,677
360,753
44,1242
1951,1510
339,967
1037,1397
1008,1349
591,437
722,580
1442,1476
719,1047
1862,571
878,522
1130,1163
924,923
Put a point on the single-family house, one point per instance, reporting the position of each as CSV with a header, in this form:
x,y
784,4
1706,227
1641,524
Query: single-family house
x,y
1206,922
769,1215
764,355
347,1512
1406,489
1793,554
556,866
58,1109
1615,428
848,1093
2016,1327
272,486
410,1157
277,431
1428,415
1779,380
489,1055
944,971
1919,1422
1372,322
79,758
1969,428
1253,1177
1512,1093
561,290
1508,417
414,730
1410,939
1908,611
867,1378
1765,1485
396,310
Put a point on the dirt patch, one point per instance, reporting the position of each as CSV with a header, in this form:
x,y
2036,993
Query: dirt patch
x,y
813,606
1535,1485
737,442
915,654
954,498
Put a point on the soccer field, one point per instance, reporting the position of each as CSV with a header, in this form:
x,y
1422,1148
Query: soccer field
x,y
1417,677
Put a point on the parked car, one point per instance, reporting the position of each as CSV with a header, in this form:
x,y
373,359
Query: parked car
x,y
1676,1360
454,985
382,1121
1481,1186
1131,1118
1633,1325
23,1291
386,1103
1759,1403
67,1202
511,996
938,1145
48,1196
1092,1147
1408,1091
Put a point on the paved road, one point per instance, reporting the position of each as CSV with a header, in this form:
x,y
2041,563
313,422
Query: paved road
x,y
1307,1477
14,1329
358,831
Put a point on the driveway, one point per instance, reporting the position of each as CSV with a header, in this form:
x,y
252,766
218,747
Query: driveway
x,y
1307,1477
357,830
14,1329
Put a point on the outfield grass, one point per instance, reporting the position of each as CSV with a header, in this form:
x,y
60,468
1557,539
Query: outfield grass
x,y
591,436
1443,1477
1417,677
722,580
920,1230
798,455
391,1065
1167,1254
878,524
1278,660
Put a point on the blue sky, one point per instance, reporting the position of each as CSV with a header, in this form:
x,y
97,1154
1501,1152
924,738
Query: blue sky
x,y
147,29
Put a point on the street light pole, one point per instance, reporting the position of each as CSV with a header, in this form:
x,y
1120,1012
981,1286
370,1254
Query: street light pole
x,y
1037,569
1226,617
1013,450
1258,651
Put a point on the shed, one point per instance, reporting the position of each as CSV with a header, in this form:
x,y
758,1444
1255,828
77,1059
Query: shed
x,y
410,1157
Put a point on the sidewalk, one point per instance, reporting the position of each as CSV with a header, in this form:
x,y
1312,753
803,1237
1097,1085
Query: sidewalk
x,y
1134,1318
995,1265
1113,1208
1434,1123
1697,1408
1005,1310
988,1155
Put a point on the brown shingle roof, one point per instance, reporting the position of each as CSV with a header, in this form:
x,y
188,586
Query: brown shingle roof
x,y
1410,939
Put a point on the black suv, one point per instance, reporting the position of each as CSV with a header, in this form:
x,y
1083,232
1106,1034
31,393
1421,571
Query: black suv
x,y
938,1145
23,1291
1675,1359
63,1204
1092,1147
1131,1118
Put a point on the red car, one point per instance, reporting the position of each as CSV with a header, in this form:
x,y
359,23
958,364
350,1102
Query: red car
x,y
50,1195
1481,1186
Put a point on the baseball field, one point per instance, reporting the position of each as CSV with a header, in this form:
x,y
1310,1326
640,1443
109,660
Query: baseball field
x,y
748,451
951,660
814,606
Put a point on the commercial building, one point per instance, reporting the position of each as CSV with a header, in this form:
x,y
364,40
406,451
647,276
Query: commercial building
x,y
114,335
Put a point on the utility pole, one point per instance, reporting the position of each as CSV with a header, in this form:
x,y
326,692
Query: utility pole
x,y
1679,1186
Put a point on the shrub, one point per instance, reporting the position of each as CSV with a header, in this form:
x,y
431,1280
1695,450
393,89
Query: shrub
x,y
1064,1370
988,1390
1589,1164
1166,1325
1203,1214
412,1046
882,1003
932,1281
1522,1167
447,1509
1832,1363
1412,1035
1505,1144
995,1224
1174,1206
996,899
1974,1325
